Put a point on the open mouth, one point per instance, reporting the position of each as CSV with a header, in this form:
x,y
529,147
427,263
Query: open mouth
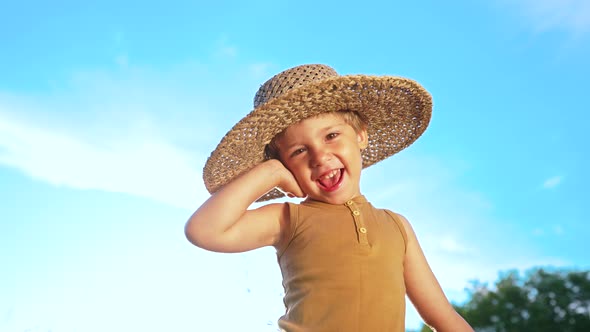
x,y
331,180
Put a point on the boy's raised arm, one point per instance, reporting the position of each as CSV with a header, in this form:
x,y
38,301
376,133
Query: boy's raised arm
x,y
224,223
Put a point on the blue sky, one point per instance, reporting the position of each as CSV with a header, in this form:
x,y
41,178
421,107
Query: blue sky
x,y
108,112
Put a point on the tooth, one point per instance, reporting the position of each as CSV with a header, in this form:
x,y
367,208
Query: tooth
x,y
330,175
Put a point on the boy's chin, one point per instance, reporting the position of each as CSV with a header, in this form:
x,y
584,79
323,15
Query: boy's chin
x,y
330,199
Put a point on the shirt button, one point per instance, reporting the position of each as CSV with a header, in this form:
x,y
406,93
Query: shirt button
x,y
349,203
356,212
363,230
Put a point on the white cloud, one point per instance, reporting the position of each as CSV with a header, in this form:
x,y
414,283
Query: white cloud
x,y
449,244
552,182
131,130
260,70
568,15
228,51
558,229
146,166
224,49
122,60
552,230
127,129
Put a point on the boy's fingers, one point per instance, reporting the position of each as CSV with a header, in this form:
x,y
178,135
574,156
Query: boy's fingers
x,y
296,190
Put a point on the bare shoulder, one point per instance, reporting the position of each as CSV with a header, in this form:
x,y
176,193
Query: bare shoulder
x,y
407,227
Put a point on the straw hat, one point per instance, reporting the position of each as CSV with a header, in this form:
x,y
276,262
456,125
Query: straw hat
x,y
397,111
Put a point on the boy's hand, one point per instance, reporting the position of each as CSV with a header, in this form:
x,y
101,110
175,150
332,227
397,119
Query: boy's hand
x,y
287,182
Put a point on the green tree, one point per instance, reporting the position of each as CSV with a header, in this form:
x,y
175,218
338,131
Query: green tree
x,y
541,300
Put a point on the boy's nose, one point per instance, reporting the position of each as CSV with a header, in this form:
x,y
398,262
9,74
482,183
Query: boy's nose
x,y
319,157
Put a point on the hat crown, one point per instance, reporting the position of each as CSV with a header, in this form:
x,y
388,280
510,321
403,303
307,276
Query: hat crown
x,y
289,79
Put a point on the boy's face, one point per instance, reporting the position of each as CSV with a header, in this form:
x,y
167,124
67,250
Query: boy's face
x,y
324,155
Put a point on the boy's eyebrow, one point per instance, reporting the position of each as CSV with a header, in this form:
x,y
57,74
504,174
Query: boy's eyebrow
x,y
288,147
332,127
340,124
282,144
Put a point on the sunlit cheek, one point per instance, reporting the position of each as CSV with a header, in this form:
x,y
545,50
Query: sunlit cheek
x,y
298,168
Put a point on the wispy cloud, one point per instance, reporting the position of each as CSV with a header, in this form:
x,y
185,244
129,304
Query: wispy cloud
x,y
225,49
144,166
568,15
449,244
552,182
260,70
131,131
553,230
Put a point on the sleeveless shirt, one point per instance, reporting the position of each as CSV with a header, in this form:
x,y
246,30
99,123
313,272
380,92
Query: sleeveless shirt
x,y
342,268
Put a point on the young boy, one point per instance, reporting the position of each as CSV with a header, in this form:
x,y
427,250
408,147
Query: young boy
x,y
346,265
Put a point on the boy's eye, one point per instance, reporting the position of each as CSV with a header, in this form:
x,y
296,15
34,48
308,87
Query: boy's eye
x,y
331,136
297,152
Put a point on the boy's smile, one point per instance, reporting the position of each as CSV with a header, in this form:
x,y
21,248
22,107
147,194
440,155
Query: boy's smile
x,y
324,155
331,181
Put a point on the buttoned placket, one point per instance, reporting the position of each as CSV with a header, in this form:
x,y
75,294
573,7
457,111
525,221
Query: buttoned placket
x,y
359,223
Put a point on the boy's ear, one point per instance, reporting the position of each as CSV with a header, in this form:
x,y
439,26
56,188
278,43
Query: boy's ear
x,y
362,139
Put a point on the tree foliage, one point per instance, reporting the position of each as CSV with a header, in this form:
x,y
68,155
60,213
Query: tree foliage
x,y
541,300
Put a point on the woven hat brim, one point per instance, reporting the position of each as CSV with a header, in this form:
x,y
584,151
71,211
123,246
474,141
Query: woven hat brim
x,y
397,111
